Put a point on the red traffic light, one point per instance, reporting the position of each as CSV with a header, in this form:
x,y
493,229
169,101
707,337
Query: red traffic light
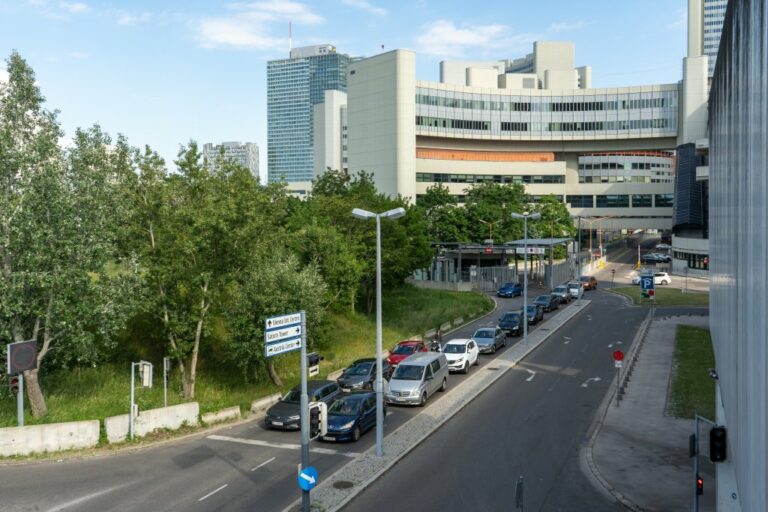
x,y
699,485
13,384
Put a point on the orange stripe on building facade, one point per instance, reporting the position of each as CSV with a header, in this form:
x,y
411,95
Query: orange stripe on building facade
x,y
484,156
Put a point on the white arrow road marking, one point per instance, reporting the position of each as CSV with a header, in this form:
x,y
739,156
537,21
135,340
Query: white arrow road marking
x,y
566,340
533,374
591,379
83,499
589,317
308,478
610,345
263,464
618,343
213,492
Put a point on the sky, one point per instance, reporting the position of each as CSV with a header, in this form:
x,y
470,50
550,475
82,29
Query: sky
x,y
164,72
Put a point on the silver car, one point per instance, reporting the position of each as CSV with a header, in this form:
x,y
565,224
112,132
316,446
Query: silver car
x,y
417,378
489,339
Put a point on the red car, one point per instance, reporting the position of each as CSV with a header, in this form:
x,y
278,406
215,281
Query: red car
x,y
405,349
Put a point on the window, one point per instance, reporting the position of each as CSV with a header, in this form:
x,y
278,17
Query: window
x,y
641,201
612,201
428,374
435,365
664,200
580,201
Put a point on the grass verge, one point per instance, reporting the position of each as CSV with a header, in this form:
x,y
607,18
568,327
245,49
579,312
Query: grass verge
x,y
692,391
666,296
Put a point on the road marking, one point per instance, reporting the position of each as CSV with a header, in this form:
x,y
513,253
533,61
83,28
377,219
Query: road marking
x,y
284,446
533,374
213,492
610,345
263,464
589,317
566,340
591,379
85,498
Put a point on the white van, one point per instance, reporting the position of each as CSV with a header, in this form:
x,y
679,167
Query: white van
x,y
417,378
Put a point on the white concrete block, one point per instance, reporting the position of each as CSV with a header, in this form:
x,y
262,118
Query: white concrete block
x,y
52,437
230,413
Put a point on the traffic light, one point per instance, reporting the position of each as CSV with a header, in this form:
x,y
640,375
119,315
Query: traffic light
x,y
13,384
318,419
699,485
718,444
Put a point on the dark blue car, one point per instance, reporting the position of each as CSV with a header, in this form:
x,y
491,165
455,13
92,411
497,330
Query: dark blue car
x,y
350,416
510,290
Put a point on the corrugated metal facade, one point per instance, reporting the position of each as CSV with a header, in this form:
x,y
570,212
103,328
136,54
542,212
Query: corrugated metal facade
x,y
739,241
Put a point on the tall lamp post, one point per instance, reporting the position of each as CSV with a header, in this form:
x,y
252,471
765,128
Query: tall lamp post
x,y
390,214
490,227
525,217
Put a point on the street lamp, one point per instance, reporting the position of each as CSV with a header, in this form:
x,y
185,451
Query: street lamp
x,y
490,226
525,217
390,214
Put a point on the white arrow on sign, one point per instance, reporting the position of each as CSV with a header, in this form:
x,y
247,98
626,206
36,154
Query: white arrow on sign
x,y
591,379
282,320
308,478
281,334
533,374
282,346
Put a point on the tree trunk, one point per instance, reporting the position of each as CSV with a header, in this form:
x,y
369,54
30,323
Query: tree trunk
x,y
190,391
276,380
34,394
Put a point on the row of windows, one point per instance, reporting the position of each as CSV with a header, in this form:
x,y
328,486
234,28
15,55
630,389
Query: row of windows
x,y
576,106
626,166
426,177
462,124
514,126
624,179
693,260
619,201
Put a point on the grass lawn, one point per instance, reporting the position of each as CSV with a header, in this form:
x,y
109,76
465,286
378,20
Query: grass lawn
x,y
96,393
667,296
693,391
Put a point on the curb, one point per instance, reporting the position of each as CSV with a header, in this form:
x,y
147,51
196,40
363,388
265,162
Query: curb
x,y
381,466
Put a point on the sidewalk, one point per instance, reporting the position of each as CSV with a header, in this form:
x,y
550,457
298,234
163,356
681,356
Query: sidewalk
x,y
639,453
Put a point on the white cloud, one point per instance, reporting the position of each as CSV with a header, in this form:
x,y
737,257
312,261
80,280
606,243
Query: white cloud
x,y
128,19
444,38
564,26
74,8
365,6
253,26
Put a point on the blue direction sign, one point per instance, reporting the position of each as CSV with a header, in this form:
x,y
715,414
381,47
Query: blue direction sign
x,y
646,283
308,478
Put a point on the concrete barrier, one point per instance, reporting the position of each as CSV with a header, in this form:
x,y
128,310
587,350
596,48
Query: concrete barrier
x,y
230,413
52,437
458,321
262,404
335,375
445,327
171,418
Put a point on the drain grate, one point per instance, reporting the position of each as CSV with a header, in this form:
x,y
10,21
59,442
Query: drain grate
x,y
493,368
343,484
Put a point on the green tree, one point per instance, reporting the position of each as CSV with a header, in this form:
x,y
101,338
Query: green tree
x,y
555,220
494,203
445,220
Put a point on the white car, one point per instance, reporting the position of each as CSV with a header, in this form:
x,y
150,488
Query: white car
x,y
461,354
658,278
663,247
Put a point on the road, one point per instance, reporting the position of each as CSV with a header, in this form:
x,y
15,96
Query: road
x,y
243,467
525,426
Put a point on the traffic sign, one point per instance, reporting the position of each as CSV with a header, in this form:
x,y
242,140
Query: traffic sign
x,y
282,321
531,250
281,347
308,478
618,355
618,364
282,333
22,356
646,283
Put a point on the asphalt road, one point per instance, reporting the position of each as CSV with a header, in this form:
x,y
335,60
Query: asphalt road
x,y
529,425
244,467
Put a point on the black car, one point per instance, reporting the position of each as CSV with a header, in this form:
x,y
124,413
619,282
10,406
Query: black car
x,y
536,313
547,302
361,374
511,324
285,414
351,415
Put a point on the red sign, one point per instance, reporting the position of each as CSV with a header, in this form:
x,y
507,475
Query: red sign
x,y
488,250
651,293
618,355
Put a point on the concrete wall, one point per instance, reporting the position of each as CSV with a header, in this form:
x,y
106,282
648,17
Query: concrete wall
x,y
52,437
171,418
230,413
439,285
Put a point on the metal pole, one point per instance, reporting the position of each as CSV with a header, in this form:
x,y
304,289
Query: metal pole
x,y
525,281
20,401
618,381
165,382
130,413
379,369
578,256
696,466
304,410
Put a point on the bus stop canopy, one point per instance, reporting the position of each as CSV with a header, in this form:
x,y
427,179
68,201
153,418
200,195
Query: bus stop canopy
x,y
540,242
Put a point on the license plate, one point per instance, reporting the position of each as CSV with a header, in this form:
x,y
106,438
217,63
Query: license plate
x,y
346,390
329,438
399,399
277,423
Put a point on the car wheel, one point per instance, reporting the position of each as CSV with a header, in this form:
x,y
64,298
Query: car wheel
x,y
465,370
423,400
477,361
493,350
444,386
665,282
504,343
356,433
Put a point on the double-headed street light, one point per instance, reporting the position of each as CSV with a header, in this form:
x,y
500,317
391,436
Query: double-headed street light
x,y
525,217
390,214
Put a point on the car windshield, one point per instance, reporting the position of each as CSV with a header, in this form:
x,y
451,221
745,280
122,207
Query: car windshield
x,y
531,309
454,348
560,289
344,407
404,349
584,279
508,285
408,372
511,317
292,397
573,285
360,369
542,298
484,333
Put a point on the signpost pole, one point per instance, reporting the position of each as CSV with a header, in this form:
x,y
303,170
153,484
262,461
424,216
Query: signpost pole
x,y
618,381
165,381
130,412
20,400
304,410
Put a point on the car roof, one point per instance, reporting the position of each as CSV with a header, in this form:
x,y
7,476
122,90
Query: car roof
x,y
409,342
364,360
313,385
458,341
422,358
357,395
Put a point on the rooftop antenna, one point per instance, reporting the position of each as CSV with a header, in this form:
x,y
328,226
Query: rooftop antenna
x,y
290,39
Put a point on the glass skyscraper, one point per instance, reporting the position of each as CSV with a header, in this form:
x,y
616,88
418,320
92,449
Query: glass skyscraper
x,y
714,14
294,86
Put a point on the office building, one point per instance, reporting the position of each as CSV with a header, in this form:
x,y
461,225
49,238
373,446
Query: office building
x,y
294,86
330,133
714,13
244,153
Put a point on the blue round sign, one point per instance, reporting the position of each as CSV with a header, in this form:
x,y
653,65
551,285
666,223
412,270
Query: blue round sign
x,y
308,478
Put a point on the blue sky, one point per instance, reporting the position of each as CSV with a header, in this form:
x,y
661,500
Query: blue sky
x,y
164,72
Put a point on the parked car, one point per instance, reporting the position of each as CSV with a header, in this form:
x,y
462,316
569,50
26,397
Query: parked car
x,y
461,354
510,323
404,349
658,278
575,289
663,247
417,378
562,292
510,290
489,339
547,302
588,282
286,415
361,374
350,416
536,312
653,257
